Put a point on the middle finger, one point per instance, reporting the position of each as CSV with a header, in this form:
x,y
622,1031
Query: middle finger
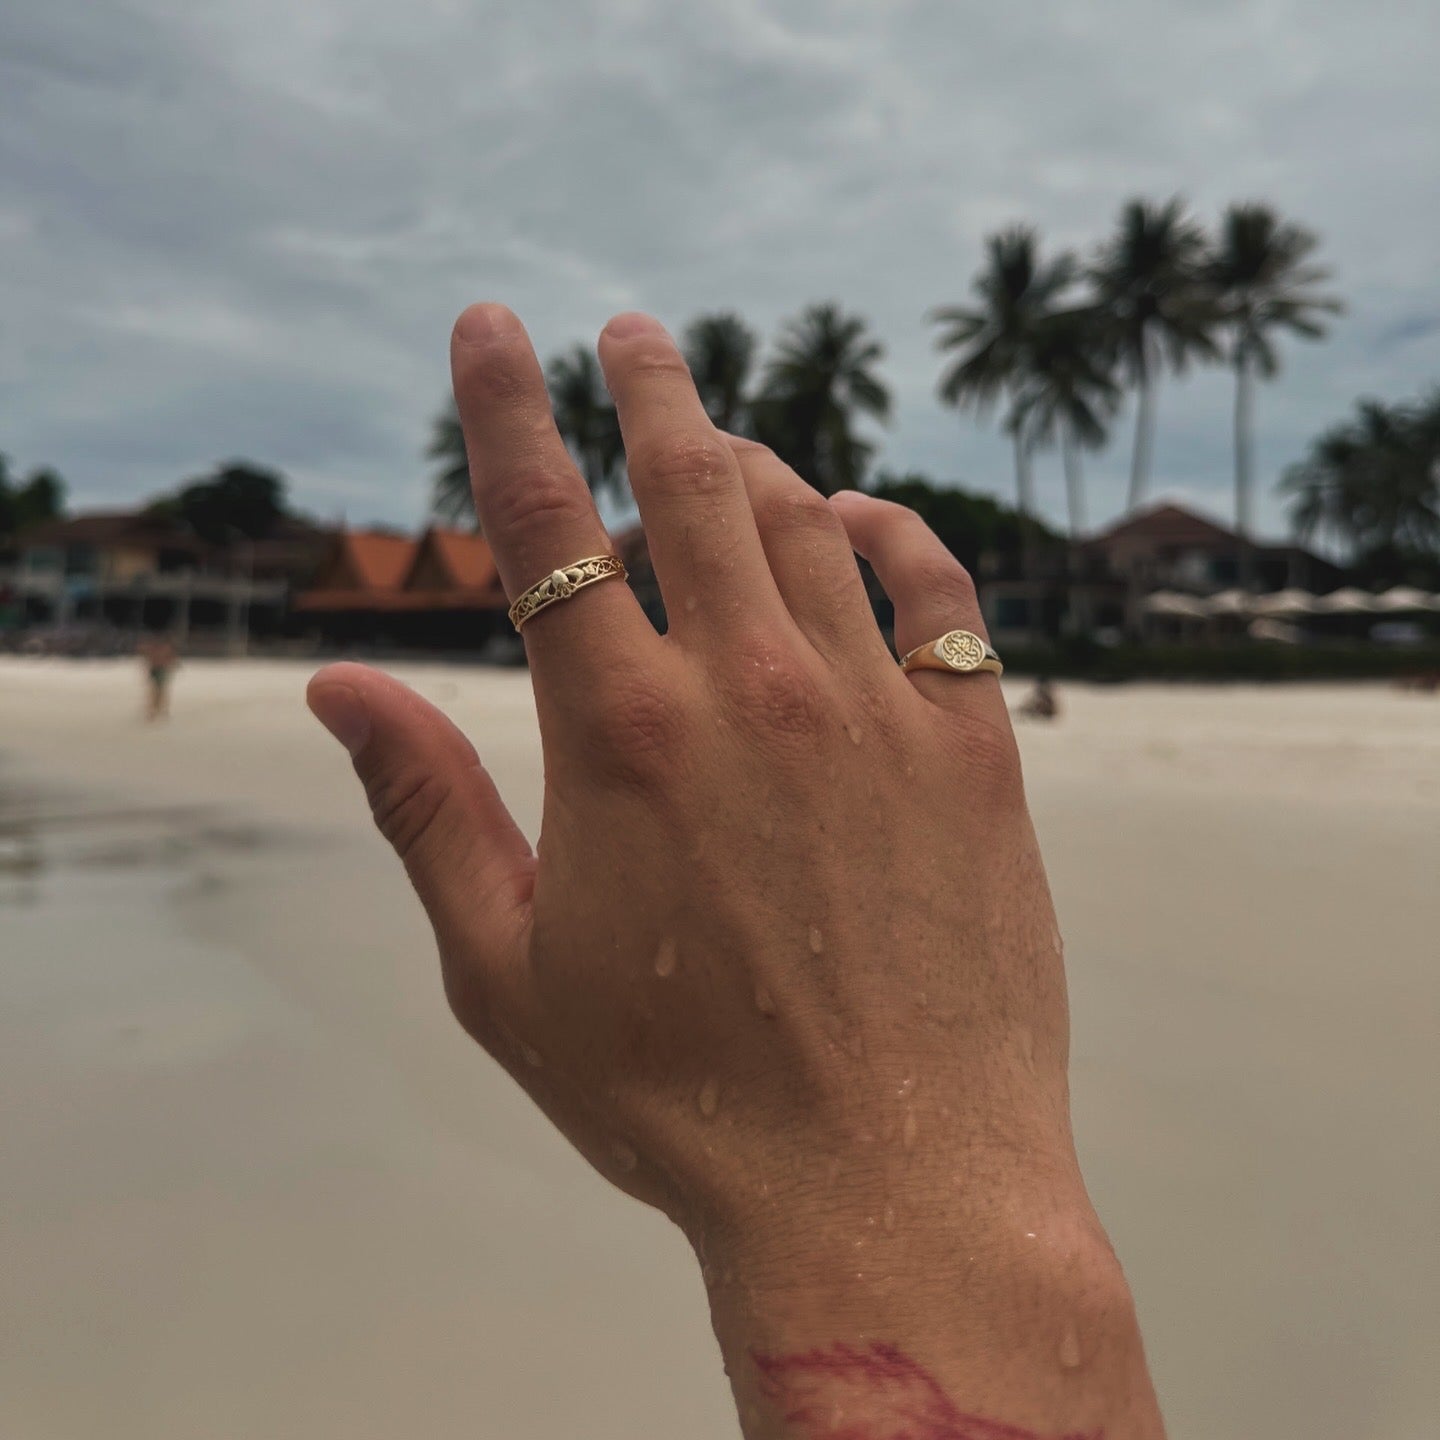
x,y
698,522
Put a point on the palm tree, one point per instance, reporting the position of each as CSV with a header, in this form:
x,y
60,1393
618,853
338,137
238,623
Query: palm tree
x,y
1264,283
1372,484
720,350
1149,279
820,378
585,416
450,497
1015,293
1066,394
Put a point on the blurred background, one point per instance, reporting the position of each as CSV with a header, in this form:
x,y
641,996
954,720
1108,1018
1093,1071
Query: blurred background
x,y
1136,304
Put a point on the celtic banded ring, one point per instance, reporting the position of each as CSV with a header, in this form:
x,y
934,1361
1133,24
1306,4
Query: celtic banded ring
x,y
563,583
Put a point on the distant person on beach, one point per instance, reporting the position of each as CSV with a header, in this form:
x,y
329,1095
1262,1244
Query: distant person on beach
x,y
1042,703
160,659
784,963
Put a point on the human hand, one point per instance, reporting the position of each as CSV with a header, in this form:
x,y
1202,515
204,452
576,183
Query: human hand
x,y
784,964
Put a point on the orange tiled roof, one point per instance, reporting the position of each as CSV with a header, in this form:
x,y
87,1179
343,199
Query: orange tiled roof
x,y
467,558
378,561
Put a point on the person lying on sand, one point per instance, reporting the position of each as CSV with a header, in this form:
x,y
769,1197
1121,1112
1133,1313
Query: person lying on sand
x,y
1042,703
784,963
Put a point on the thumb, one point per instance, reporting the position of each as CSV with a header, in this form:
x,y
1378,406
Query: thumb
x,y
433,801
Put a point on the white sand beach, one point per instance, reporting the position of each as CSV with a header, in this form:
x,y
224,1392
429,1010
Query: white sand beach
x,y
255,1183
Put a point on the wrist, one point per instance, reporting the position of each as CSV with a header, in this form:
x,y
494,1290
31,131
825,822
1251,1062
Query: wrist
x,y
1029,1327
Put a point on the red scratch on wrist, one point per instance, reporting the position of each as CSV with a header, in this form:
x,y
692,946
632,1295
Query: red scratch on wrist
x,y
875,1393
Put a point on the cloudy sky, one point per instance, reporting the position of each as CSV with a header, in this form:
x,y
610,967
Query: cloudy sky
x,y
243,227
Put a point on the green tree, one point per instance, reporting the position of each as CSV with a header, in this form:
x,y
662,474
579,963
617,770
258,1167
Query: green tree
x,y
1371,485
720,350
585,416
818,383
993,339
238,496
1264,283
975,528
1149,279
450,499
22,504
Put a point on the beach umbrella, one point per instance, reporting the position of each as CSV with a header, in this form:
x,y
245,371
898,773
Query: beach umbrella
x,y
1173,603
1406,597
1276,631
1285,602
1347,601
1230,602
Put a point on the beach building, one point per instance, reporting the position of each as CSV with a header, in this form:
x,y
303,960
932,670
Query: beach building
x,y
1104,581
376,588
134,570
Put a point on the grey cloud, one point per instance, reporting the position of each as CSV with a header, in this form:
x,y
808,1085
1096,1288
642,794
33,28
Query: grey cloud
x,y
248,225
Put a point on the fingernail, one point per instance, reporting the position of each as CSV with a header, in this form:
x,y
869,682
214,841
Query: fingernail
x,y
479,323
343,713
626,327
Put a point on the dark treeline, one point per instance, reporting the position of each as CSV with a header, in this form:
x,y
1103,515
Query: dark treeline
x,y
40,496
1051,343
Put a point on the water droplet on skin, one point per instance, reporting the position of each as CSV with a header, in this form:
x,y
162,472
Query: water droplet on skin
x,y
905,1087
709,1098
1070,1351
625,1157
666,958
909,1130
764,1001
817,940
531,1055
1029,1234
855,733
887,1219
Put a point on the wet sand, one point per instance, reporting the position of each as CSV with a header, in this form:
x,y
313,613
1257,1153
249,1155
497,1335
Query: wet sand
x,y
254,1182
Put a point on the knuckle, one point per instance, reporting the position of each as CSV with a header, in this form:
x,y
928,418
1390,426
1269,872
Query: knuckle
x,y
772,689
797,508
534,504
698,464
654,358
639,730
406,806
500,377
985,746
939,573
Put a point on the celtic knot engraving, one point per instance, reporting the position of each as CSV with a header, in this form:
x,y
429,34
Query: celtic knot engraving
x,y
962,650
562,584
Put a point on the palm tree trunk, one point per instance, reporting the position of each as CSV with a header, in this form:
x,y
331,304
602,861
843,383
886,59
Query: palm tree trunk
x,y
1075,500
1025,503
1024,500
1074,482
1144,436
1244,475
